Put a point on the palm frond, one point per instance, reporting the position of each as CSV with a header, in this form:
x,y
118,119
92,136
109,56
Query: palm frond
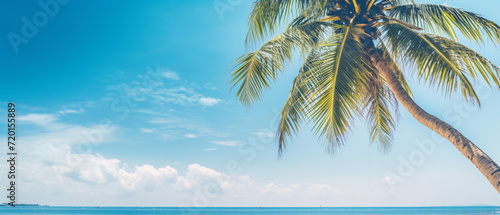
x,y
255,70
268,15
436,64
381,112
297,103
475,64
389,4
441,19
314,12
339,74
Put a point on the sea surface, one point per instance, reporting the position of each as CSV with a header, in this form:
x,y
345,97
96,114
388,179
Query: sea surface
x,y
248,210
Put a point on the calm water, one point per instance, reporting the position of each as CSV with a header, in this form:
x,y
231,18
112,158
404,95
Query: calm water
x,y
247,211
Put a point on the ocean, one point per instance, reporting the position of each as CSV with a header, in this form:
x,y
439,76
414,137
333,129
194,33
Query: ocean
x,y
248,210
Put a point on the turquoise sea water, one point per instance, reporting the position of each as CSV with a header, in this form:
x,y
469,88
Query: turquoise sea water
x,y
248,211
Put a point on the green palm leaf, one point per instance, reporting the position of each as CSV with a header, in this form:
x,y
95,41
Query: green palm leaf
x,y
339,73
255,70
381,109
475,64
436,64
296,105
444,19
316,11
268,15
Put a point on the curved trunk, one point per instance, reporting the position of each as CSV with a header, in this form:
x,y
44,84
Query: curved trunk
x,y
482,161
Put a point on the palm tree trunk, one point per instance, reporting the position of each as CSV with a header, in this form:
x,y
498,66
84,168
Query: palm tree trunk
x,y
482,161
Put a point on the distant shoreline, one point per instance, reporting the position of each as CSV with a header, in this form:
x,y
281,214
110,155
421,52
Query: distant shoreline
x,y
252,207
24,205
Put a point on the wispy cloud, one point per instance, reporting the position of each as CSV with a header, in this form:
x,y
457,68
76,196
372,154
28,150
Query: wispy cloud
x,y
191,135
226,143
66,111
57,132
210,149
166,136
163,120
209,101
153,112
387,179
178,91
39,119
169,74
183,127
147,130
264,134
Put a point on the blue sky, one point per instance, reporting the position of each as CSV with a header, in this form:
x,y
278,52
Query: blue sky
x,y
127,103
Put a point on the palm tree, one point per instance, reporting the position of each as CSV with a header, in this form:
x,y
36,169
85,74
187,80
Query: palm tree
x,y
355,55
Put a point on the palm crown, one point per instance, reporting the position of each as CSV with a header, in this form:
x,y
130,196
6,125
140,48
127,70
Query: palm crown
x,y
338,79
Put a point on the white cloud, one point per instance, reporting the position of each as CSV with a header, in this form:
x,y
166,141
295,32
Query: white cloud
x,y
38,119
210,149
64,164
97,180
66,111
151,112
169,74
61,133
183,127
191,135
148,178
162,120
264,134
275,189
146,130
210,86
323,190
209,101
226,143
97,169
60,173
387,179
